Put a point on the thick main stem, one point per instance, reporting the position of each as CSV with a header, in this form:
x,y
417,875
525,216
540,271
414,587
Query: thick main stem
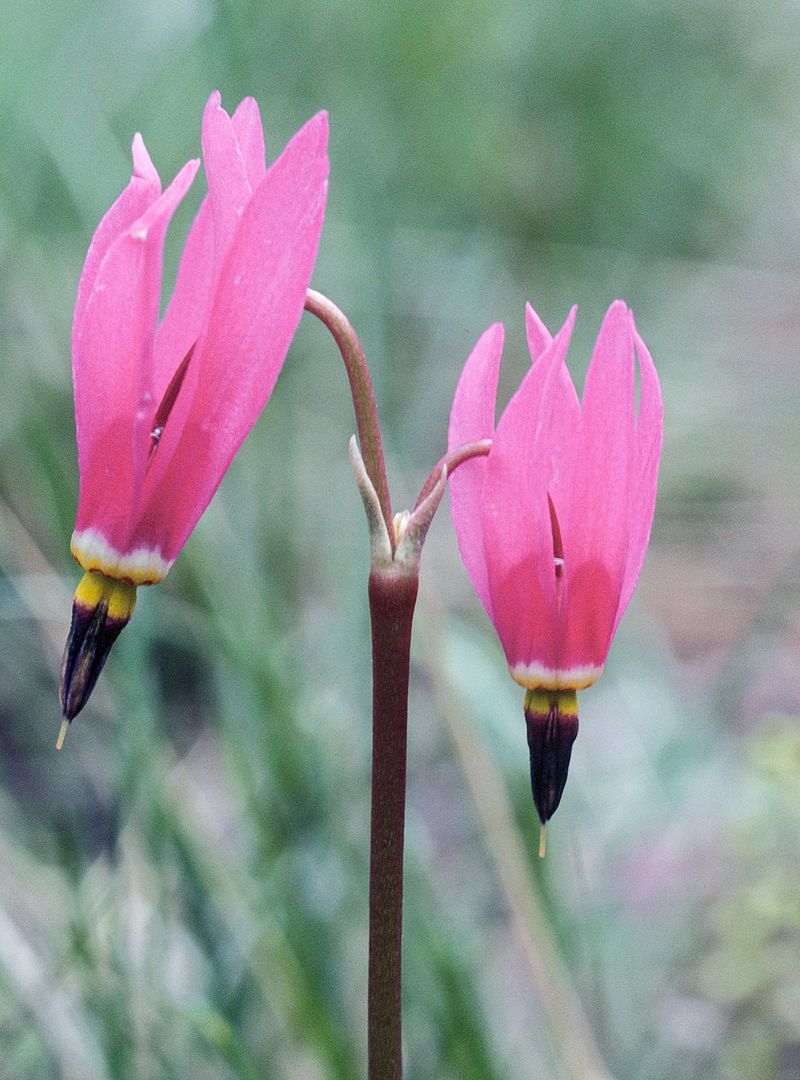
x,y
392,596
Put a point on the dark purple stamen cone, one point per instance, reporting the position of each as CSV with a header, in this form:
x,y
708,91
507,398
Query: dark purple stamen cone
x,y
91,636
552,722
101,608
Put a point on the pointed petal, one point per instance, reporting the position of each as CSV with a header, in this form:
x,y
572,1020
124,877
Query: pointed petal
x,y
185,318
228,187
112,355
142,190
234,166
471,419
595,512
539,337
518,539
250,135
257,306
565,425
590,596
648,439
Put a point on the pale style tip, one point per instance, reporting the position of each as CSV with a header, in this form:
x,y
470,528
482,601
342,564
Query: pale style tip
x,y
62,733
542,839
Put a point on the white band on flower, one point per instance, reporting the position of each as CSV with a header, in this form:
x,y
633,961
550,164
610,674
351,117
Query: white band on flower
x,y
143,566
538,677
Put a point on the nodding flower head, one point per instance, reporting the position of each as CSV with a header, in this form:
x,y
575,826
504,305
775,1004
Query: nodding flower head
x,y
161,407
553,525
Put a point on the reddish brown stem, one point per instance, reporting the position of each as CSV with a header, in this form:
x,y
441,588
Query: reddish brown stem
x,y
392,596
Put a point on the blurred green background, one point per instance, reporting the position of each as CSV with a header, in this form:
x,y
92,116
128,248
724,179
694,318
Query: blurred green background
x,y
183,888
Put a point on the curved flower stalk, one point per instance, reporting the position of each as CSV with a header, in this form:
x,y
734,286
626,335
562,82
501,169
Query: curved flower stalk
x,y
161,408
553,524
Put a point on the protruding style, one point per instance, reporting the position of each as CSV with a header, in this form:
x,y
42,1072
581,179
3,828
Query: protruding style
x,y
554,523
162,407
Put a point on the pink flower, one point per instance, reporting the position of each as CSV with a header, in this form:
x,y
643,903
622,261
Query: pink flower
x,y
553,525
162,407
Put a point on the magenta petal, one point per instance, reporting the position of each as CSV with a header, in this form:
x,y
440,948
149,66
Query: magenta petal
x,y
472,419
234,167
186,315
228,186
517,533
142,190
595,514
257,305
539,337
112,359
143,167
648,441
564,425
590,598
246,122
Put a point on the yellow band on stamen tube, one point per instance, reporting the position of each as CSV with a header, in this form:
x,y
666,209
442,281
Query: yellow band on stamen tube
x,y
119,595
100,610
542,701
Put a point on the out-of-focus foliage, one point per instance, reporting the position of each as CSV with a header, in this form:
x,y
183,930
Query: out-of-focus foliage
x,y
183,889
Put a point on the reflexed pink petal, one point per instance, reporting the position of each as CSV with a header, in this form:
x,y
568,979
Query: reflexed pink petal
x,y
589,605
143,167
539,337
565,426
228,186
594,517
112,354
143,189
472,419
648,440
257,306
185,318
515,513
524,612
250,134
